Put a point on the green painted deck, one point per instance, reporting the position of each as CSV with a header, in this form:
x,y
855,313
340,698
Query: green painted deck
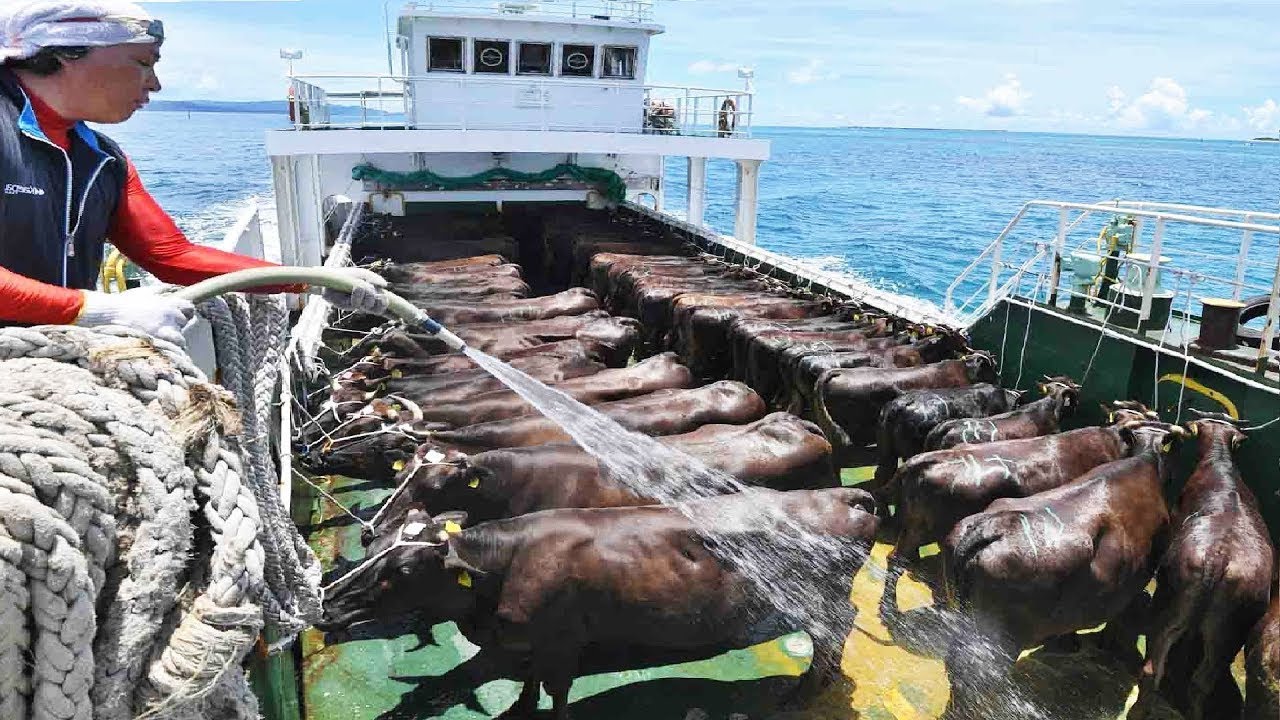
x,y
411,679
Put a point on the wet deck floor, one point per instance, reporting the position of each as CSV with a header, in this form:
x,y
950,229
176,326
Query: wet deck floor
x,y
439,676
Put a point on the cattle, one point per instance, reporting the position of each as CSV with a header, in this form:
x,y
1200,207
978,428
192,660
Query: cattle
x,y
659,372
701,322
779,451
1262,665
378,364
573,301
665,412
407,272
848,402
1028,569
908,419
936,490
1041,417
806,370
614,337
1212,587
548,588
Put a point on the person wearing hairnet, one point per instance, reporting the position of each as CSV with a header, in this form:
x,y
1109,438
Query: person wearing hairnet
x,y
65,189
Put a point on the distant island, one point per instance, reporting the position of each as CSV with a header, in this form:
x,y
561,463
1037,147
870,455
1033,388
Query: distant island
x,y
1266,139
261,107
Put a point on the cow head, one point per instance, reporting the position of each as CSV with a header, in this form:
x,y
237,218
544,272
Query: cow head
x,y
981,367
1064,391
431,479
417,574
1152,436
381,449
1215,428
1120,412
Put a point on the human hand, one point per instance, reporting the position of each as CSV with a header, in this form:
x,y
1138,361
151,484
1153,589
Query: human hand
x,y
159,315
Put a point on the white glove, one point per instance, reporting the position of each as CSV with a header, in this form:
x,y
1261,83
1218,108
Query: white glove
x,y
366,297
145,309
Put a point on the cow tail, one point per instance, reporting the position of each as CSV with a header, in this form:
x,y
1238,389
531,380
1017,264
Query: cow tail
x,y
971,545
822,415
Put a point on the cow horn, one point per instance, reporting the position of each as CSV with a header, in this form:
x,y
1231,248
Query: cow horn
x,y
1177,431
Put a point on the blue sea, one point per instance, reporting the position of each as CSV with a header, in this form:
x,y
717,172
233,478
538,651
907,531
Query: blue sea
x,y
905,209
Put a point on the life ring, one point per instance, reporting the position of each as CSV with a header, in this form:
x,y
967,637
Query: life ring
x,y
728,119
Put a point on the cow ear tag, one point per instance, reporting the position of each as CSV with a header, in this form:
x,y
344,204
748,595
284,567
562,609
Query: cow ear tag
x,y
397,374
414,529
464,578
434,456
452,527
475,483
397,465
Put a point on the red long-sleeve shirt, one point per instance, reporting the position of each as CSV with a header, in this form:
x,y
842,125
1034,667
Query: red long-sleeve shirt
x,y
141,229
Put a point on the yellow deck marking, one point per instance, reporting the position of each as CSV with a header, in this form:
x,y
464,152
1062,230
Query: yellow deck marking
x,y
1208,392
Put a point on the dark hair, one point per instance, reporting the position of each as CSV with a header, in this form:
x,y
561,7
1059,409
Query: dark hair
x,y
48,61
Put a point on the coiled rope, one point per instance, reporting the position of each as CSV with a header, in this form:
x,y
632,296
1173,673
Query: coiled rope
x,y
143,544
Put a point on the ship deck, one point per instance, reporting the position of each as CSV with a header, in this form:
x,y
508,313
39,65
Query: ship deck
x,y
432,673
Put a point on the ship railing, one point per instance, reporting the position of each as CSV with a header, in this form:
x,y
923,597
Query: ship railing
x,y
638,11
1182,255
459,102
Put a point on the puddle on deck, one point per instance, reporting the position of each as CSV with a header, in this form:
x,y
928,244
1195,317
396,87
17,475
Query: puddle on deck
x,y
441,675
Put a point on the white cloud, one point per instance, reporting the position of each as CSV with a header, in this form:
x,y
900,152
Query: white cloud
x,y
1003,100
704,67
811,72
1164,106
1265,117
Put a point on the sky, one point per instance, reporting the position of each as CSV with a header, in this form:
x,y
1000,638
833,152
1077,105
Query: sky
x,y
1161,68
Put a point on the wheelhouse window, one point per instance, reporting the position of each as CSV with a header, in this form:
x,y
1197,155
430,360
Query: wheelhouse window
x,y
578,61
619,62
493,56
445,54
534,59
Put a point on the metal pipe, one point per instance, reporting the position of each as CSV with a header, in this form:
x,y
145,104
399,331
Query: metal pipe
x,y
1153,266
1058,244
1242,258
340,280
1269,330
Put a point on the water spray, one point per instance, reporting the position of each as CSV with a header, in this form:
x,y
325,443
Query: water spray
x,y
333,279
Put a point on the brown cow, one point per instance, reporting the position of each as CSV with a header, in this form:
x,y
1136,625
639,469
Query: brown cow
x,y
937,490
779,451
1212,587
657,373
849,401
1029,569
665,412
1041,417
573,301
547,587
1262,665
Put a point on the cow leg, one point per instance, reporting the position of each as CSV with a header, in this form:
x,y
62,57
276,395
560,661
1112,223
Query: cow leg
x,y
1120,637
1213,693
556,668
905,550
1173,618
527,704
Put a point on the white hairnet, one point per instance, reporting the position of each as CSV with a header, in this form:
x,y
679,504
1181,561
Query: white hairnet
x,y
27,26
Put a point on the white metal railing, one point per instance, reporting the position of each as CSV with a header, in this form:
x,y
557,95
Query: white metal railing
x,y
1180,255
466,102
627,10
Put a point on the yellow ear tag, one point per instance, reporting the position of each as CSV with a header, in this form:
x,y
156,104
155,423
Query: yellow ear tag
x,y
1111,417
1167,447
452,527
397,465
464,578
475,483
397,374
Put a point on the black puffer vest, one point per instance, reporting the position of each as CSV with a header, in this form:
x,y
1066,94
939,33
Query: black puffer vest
x,y
55,210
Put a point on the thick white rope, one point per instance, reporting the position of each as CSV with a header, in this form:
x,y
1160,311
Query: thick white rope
x,y
113,603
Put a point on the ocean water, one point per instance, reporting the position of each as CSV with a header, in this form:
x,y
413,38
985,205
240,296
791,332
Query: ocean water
x,y
905,209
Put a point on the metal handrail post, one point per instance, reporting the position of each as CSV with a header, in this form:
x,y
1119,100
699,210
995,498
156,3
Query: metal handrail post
x,y
1269,330
1153,264
994,283
1058,245
1241,259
